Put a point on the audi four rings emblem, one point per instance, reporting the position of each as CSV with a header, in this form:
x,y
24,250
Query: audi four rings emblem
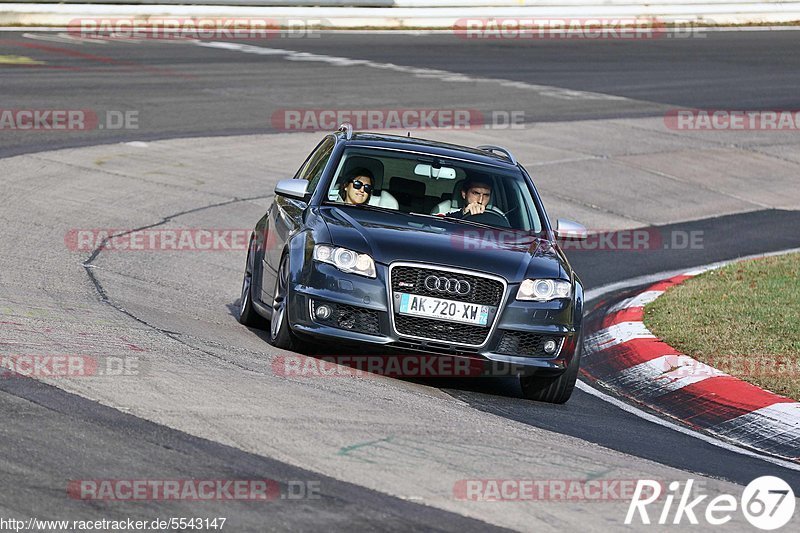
x,y
451,285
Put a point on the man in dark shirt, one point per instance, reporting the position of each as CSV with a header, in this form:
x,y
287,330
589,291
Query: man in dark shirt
x,y
476,195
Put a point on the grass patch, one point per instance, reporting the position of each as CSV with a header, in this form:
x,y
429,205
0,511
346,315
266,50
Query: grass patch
x,y
743,319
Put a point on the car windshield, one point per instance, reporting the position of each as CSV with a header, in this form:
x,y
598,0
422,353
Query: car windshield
x,y
430,185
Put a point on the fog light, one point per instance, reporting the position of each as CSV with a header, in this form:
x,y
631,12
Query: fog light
x,y
323,312
550,347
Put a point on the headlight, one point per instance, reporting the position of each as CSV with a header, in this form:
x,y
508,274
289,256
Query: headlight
x,y
345,260
543,290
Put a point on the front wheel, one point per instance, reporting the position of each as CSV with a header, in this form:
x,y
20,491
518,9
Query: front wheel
x,y
280,334
554,389
247,314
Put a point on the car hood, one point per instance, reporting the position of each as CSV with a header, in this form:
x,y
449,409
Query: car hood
x,y
390,236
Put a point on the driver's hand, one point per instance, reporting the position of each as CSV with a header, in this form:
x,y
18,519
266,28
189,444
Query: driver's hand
x,y
474,209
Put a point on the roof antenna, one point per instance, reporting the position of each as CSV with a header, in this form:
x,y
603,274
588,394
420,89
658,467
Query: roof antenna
x,y
409,134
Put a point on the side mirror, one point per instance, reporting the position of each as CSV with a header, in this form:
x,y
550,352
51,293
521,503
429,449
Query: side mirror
x,y
568,229
292,188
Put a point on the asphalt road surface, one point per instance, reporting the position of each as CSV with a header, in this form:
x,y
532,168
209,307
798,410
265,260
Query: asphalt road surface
x,y
181,89
384,453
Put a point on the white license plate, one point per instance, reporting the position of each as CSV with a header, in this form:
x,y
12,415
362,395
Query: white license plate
x,y
427,306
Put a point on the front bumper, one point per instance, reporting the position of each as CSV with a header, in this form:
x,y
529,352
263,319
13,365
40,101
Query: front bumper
x,y
366,322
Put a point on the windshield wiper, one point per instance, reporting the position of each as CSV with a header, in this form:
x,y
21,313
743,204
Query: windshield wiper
x,y
452,219
437,217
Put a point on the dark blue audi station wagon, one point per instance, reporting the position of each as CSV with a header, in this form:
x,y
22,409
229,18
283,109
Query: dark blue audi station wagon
x,y
404,244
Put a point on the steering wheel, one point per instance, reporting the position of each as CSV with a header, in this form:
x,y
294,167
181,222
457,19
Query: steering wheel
x,y
490,218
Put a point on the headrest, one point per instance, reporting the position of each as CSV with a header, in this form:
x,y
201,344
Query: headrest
x,y
456,200
407,186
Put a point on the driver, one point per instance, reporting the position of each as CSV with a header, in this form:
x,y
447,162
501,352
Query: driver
x,y
477,195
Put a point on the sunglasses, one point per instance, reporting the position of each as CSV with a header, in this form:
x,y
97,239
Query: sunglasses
x,y
357,184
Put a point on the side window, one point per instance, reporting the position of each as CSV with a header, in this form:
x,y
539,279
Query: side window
x,y
315,164
304,167
315,172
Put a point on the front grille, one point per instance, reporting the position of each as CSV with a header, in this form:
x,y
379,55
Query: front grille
x,y
350,317
432,347
483,291
412,280
440,330
528,344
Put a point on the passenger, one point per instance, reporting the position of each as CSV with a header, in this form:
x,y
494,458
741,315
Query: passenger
x,y
357,189
477,195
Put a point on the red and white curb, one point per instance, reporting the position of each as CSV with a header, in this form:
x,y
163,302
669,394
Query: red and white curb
x,y
623,355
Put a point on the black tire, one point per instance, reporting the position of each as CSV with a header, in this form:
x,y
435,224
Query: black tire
x,y
280,334
247,314
553,389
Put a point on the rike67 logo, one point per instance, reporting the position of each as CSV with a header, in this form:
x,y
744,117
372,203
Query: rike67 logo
x,y
767,503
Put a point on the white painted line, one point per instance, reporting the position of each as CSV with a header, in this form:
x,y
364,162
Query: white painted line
x,y
779,423
33,28
662,375
588,389
614,335
700,270
640,300
60,38
440,75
